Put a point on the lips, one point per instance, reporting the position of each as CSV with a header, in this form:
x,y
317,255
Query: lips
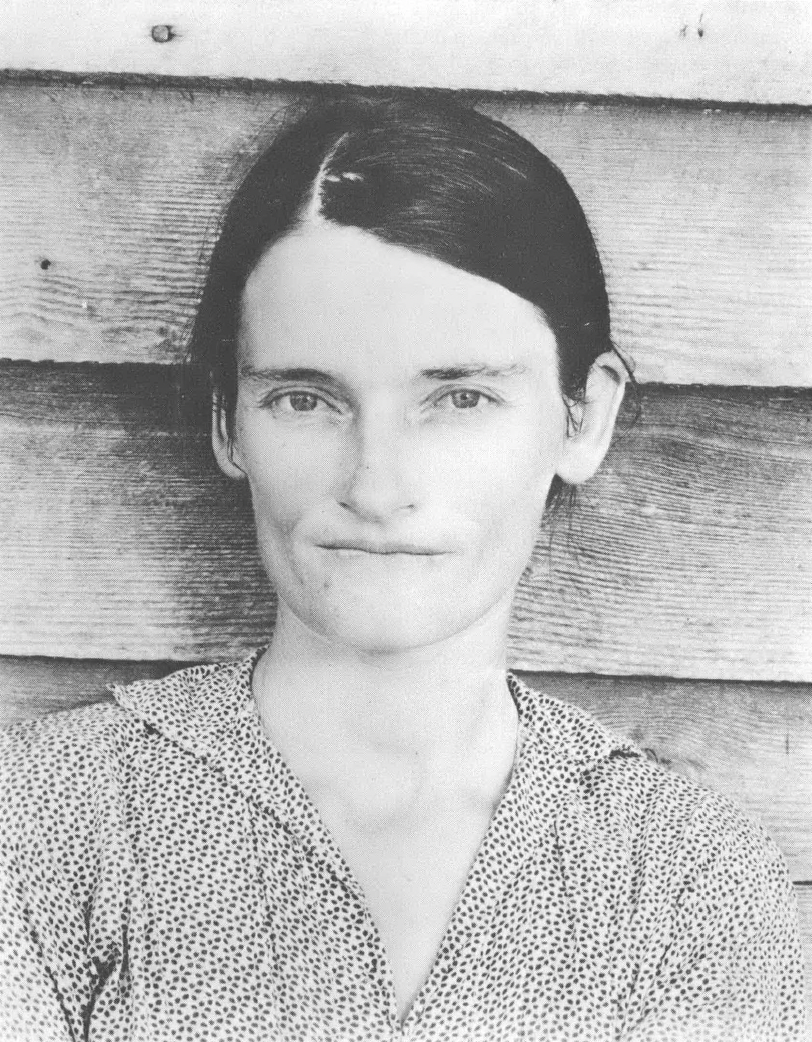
x,y
380,549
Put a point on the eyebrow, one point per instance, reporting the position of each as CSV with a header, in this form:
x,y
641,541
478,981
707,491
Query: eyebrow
x,y
467,372
294,375
319,376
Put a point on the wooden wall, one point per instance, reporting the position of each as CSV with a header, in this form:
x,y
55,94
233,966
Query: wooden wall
x,y
722,50
676,603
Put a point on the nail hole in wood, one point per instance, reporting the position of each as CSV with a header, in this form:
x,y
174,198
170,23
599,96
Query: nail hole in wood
x,y
162,33
45,264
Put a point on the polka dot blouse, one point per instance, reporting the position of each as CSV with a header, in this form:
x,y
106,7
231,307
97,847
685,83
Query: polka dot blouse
x,y
168,878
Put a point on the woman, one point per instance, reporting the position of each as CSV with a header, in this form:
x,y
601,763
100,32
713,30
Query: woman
x,y
370,830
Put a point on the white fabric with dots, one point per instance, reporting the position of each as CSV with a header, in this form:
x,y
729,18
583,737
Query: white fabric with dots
x,y
165,877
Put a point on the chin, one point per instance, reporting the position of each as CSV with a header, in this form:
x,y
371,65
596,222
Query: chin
x,y
383,634
393,626
389,609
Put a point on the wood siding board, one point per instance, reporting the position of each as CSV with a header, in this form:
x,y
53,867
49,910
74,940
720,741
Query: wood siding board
x,y
689,555
718,49
702,216
36,687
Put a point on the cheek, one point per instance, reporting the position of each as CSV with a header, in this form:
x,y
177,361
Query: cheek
x,y
504,480
286,481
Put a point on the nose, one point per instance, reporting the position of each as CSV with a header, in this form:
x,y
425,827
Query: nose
x,y
377,484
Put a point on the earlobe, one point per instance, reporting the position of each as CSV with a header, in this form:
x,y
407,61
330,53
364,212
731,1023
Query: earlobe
x,y
223,443
587,440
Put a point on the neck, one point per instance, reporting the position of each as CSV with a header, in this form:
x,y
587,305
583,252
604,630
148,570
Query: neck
x,y
334,712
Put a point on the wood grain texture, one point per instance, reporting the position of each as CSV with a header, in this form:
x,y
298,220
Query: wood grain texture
x,y
750,742
112,194
710,49
689,555
35,687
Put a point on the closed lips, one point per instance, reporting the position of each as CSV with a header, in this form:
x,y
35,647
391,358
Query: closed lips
x,y
382,549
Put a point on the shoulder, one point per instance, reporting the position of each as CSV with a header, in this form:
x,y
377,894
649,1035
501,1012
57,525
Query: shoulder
x,y
73,766
697,877
658,817
75,744
59,777
83,739
190,704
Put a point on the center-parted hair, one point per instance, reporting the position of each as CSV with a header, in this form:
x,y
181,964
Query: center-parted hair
x,y
428,175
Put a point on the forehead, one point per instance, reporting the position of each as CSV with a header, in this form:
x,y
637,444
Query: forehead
x,y
340,296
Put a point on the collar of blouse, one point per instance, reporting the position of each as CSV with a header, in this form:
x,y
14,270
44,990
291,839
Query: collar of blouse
x,y
210,713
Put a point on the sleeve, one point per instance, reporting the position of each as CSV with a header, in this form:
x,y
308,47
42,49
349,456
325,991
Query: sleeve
x,y
729,965
30,1006
48,873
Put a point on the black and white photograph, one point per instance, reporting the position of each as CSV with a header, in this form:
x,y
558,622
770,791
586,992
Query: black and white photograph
x,y
405,521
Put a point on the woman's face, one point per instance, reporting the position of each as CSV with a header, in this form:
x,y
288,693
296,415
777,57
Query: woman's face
x,y
399,422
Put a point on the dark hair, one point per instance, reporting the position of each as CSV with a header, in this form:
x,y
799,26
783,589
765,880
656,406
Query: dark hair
x,y
429,175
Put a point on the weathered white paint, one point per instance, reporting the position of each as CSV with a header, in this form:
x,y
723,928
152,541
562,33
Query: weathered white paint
x,y
726,50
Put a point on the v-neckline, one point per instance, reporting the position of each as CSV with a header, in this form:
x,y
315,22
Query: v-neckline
x,y
499,839
213,716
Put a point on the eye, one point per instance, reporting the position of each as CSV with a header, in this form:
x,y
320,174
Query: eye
x,y
300,401
464,398
295,402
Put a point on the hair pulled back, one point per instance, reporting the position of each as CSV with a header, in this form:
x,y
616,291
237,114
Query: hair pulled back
x,y
429,175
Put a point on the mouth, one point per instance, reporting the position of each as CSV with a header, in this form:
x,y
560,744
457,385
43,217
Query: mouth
x,y
362,547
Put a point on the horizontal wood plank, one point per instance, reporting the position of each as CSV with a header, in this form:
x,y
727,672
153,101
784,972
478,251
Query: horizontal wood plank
x,y
112,193
718,49
751,742
35,687
689,555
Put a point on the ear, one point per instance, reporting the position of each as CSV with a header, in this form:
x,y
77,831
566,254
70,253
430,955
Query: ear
x,y
222,442
588,438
